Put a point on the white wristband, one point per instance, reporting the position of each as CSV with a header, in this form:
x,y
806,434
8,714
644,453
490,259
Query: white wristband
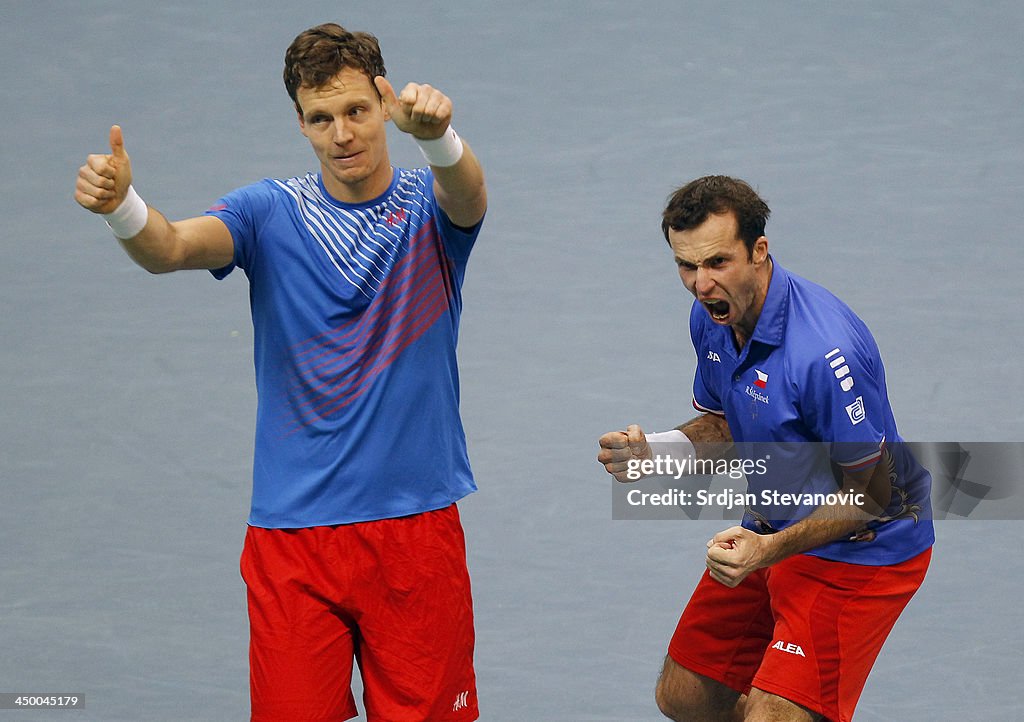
x,y
442,152
674,444
129,218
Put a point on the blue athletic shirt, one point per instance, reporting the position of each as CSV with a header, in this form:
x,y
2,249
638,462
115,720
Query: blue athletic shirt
x,y
355,311
810,379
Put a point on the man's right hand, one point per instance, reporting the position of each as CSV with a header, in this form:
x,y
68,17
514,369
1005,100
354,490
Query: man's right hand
x,y
104,179
618,448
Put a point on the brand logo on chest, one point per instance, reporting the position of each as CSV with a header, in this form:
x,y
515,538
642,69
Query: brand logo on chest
x,y
756,391
395,218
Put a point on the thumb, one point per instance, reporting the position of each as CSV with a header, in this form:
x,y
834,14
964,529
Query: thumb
x,y
387,92
117,143
637,442
726,539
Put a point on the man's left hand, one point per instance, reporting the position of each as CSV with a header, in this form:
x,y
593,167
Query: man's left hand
x,y
735,553
422,111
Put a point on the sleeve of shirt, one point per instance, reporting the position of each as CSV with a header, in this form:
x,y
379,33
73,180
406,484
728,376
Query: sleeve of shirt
x,y
844,405
458,241
706,394
241,210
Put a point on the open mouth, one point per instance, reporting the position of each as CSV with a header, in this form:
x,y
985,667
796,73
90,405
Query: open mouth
x,y
718,309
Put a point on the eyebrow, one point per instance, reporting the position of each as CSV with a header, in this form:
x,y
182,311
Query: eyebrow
x,y
725,255
314,109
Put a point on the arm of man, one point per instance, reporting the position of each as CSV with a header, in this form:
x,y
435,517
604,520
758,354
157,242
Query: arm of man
x,y
160,246
426,113
736,552
708,433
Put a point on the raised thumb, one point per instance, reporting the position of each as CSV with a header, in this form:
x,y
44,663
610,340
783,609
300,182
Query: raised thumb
x,y
117,142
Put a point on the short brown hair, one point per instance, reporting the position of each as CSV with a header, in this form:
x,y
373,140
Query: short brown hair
x,y
691,205
318,54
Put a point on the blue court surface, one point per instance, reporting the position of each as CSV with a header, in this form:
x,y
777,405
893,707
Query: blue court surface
x,y
887,137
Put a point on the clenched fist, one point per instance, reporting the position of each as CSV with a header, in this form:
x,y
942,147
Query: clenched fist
x,y
618,448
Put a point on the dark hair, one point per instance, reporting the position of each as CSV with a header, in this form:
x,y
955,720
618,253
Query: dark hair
x,y
318,54
691,205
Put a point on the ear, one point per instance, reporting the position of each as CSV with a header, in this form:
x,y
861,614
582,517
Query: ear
x,y
760,254
384,109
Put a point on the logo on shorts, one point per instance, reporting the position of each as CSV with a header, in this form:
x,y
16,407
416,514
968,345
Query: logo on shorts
x,y
789,647
461,702
856,411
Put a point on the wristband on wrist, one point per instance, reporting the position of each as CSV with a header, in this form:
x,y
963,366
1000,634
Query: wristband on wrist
x,y
129,218
442,152
674,444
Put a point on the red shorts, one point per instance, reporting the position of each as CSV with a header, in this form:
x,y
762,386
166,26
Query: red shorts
x,y
393,594
806,629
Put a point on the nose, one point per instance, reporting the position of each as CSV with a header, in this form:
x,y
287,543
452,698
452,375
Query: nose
x,y
342,132
705,282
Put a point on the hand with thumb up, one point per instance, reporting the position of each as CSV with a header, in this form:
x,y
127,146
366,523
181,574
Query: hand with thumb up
x,y
104,179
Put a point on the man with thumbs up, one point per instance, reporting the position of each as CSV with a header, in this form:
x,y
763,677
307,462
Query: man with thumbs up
x,y
354,547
